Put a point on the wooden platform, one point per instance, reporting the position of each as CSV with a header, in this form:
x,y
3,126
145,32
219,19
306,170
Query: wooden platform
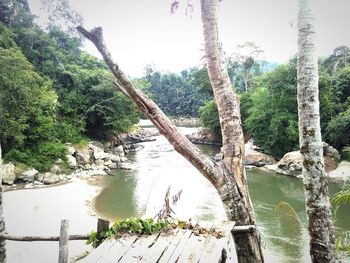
x,y
177,246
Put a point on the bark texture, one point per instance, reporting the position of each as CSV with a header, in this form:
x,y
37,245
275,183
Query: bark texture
x,y
234,192
320,223
227,176
2,221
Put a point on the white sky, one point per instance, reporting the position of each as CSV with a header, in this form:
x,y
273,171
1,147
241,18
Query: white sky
x,y
141,32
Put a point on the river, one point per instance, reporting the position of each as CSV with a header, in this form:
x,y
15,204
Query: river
x,y
141,193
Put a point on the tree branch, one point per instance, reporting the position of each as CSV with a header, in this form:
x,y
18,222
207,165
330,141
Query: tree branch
x,y
181,144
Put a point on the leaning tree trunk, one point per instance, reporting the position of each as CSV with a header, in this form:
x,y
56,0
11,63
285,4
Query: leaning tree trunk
x,y
2,222
236,197
227,176
320,224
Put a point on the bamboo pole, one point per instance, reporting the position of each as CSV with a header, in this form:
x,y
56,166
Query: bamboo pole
x,y
41,238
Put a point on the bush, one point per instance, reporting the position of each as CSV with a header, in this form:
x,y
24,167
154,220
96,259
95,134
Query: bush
x,y
41,157
209,117
338,130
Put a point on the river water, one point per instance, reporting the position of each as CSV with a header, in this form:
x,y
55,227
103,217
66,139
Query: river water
x,y
141,193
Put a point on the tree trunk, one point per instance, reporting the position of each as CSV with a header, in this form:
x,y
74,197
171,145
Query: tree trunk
x,y
2,221
235,196
320,224
228,176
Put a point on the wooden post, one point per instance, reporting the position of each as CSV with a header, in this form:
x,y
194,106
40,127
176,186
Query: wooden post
x,y
63,242
102,225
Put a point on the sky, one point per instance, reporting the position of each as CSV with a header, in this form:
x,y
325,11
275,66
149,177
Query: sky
x,y
143,32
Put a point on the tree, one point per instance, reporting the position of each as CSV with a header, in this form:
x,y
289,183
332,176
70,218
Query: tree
x,y
244,61
320,224
227,176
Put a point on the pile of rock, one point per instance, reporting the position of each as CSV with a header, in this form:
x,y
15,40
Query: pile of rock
x,y
204,136
82,162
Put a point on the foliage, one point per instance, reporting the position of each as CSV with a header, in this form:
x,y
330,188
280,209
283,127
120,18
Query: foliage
x,y
176,94
209,117
131,226
342,198
338,130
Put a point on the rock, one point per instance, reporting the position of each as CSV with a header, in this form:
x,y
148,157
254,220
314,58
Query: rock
x,y
331,152
99,162
123,159
108,162
28,175
187,122
142,135
256,158
37,183
98,152
342,173
59,161
87,166
29,186
127,166
55,169
40,177
119,151
204,136
50,178
290,164
249,145
8,173
82,156
71,150
72,162
135,147
114,158
112,165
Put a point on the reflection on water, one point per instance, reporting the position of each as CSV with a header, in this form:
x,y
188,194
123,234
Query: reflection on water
x,y
141,193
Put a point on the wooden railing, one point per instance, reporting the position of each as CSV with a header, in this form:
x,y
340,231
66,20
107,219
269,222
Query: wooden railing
x,y
63,238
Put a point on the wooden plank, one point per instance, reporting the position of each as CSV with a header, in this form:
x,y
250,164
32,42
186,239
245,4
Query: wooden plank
x,y
137,249
213,249
110,250
194,246
63,242
162,244
176,246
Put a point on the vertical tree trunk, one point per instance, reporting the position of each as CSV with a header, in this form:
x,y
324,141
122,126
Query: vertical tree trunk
x,y
2,221
235,195
320,224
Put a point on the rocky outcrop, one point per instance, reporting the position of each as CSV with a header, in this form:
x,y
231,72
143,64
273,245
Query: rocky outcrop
x,y
291,163
83,162
8,173
204,136
142,135
187,122
258,159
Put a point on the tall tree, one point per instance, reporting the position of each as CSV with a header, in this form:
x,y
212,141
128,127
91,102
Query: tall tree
x,y
227,176
320,224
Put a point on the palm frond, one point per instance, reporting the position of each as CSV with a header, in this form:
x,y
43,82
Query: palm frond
x,y
342,197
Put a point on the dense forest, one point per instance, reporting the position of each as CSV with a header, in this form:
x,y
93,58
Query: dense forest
x,y
52,92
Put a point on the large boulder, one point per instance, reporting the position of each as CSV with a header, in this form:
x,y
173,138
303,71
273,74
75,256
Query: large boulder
x,y
204,136
82,156
98,152
331,152
50,178
8,173
71,161
71,150
290,164
55,169
28,175
256,158
342,173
